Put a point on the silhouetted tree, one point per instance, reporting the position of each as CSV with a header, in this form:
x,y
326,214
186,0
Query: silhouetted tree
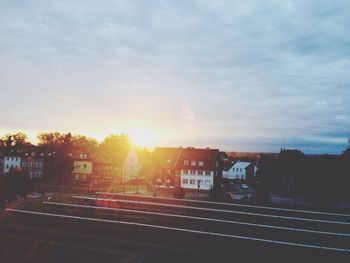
x,y
15,183
18,142
114,149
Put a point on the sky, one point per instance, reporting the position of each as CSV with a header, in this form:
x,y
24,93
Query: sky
x,y
235,75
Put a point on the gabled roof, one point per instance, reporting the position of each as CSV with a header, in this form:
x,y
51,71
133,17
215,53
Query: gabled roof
x,y
242,165
227,165
210,158
165,157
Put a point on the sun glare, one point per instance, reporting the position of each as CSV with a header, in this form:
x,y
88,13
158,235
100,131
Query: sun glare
x,y
142,138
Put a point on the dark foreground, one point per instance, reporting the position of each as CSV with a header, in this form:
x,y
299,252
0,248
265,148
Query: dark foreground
x,y
65,233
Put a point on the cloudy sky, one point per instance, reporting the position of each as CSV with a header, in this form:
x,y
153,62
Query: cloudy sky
x,y
238,75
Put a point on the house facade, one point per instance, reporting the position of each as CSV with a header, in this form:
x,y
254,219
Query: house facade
x,y
11,163
131,166
33,166
82,168
240,171
105,174
163,162
198,168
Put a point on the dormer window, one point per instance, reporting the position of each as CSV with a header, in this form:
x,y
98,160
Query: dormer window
x,y
185,162
201,163
193,163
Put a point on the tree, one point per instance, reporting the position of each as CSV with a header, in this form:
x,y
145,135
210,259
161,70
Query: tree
x,y
18,142
114,149
15,183
66,143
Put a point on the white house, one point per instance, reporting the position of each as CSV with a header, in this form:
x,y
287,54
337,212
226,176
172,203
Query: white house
x,y
11,163
240,171
131,166
198,168
197,179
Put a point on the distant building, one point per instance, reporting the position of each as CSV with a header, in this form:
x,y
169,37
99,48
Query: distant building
x,y
163,164
199,168
105,174
1,162
188,168
82,168
131,166
10,162
240,171
33,166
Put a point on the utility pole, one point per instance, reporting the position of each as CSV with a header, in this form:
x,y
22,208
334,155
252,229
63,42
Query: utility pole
x,y
199,186
123,176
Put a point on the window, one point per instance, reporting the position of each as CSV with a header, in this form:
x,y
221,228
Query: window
x,y
185,171
201,163
200,172
31,164
207,183
241,170
193,172
200,182
85,165
23,164
185,162
37,165
184,181
193,163
207,172
192,181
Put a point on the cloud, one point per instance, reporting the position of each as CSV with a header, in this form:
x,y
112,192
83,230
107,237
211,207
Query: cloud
x,y
252,72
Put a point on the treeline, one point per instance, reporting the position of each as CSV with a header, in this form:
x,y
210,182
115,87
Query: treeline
x,y
112,149
60,148
59,151
323,179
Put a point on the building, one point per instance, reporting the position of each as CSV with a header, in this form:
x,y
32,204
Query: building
x,y
10,162
1,162
82,169
199,168
105,174
244,171
131,166
33,165
163,165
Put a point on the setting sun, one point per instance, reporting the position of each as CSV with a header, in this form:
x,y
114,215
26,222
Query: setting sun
x,y
142,138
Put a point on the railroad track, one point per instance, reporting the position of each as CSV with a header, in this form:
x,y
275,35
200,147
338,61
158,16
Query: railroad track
x,y
307,231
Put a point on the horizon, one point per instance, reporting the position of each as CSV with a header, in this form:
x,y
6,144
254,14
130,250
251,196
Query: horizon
x,y
138,142
220,74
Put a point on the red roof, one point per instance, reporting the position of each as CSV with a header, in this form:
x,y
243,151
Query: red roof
x,y
199,159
